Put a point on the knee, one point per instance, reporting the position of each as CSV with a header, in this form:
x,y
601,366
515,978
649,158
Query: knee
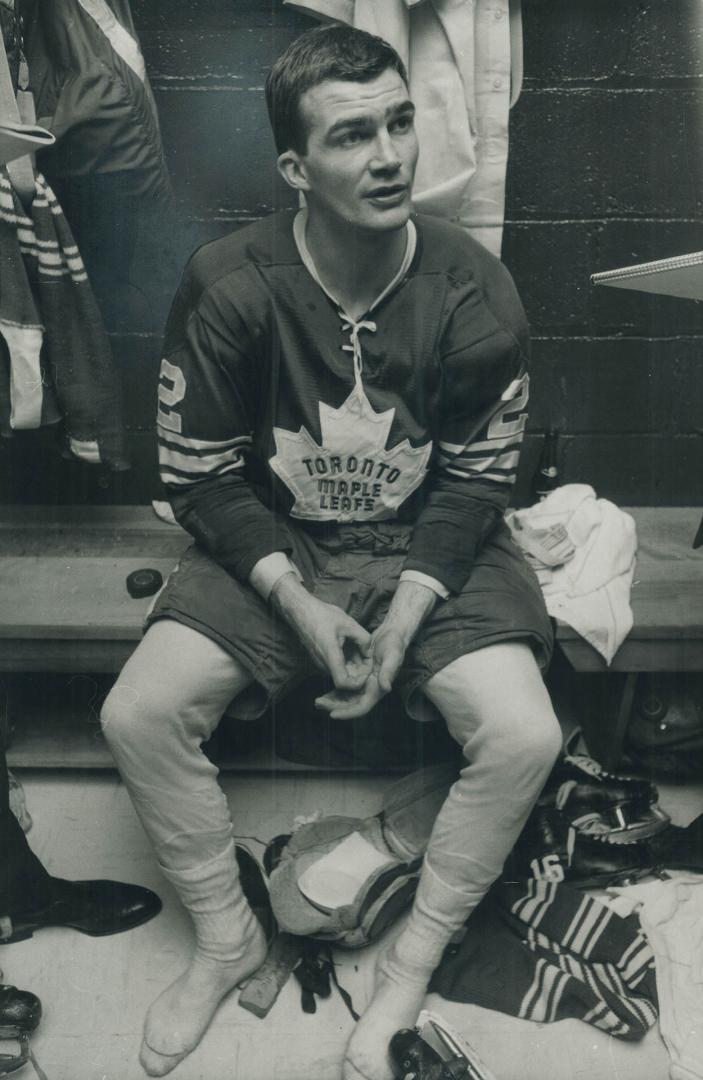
x,y
130,716
536,740
523,741
118,716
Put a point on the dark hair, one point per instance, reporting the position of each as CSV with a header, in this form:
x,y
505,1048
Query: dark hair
x,y
325,52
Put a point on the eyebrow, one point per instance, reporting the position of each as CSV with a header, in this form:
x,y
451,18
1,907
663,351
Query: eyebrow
x,y
402,109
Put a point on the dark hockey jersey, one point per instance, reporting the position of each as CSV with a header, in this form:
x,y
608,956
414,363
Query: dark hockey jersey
x,y
273,404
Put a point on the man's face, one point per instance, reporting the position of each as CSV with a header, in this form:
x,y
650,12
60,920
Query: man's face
x,y
360,158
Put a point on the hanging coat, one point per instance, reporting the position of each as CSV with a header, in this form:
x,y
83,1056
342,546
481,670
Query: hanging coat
x,y
92,91
55,358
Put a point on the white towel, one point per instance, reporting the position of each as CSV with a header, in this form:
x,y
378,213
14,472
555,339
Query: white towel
x,y
590,589
671,914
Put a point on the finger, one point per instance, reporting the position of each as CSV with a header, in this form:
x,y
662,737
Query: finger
x,y
341,705
355,681
354,707
361,662
347,682
351,631
358,670
348,677
348,712
337,667
390,666
328,702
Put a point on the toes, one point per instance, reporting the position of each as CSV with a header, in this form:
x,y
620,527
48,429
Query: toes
x,y
162,1050
163,1035
155,1064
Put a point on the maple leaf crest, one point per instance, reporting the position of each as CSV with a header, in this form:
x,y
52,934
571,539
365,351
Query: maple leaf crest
x,y
349,476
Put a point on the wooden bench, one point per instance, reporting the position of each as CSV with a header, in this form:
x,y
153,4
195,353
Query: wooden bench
x,y
65,608
667,606
65,605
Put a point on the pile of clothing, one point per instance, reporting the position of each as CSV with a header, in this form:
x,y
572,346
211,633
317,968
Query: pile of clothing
x,y
538,946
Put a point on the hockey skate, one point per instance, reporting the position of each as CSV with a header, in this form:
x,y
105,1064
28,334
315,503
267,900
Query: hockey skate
x,y
20,1013
579,852
622,808
433,1051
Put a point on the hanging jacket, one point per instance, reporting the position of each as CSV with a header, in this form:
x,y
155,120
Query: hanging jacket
x,y
107,168
92,91
10,26
55,358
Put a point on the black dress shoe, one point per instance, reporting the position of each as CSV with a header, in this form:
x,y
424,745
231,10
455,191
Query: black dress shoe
x,y
20,1012
97,908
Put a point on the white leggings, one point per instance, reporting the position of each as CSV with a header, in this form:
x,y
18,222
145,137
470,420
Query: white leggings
x,y
172,693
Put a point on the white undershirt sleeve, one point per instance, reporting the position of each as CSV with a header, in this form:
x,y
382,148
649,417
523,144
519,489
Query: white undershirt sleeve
x,y
267,571
425,579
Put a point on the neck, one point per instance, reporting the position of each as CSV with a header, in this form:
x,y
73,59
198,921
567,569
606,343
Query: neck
x,y
355,265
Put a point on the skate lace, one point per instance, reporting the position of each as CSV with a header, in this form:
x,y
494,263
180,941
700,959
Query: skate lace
x,y
41,1075
564,792
591,825
587,765
570,844
10,1063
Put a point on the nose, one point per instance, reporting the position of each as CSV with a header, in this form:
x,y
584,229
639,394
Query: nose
x,y
385,153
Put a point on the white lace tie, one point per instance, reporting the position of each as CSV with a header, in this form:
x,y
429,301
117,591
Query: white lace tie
x,y
355,327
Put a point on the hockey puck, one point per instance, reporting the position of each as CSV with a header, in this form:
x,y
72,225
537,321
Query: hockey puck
x,y
143,583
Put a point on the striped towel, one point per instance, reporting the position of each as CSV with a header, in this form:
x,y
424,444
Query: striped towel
x,y
55,358
541,950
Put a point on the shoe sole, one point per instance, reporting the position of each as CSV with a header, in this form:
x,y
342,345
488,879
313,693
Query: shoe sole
x,y
28,930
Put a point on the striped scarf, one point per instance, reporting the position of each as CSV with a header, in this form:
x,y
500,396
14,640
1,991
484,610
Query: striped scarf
x,y
55,358
543,951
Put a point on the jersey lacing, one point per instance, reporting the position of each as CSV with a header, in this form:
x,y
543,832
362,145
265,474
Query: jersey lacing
x,y
355,327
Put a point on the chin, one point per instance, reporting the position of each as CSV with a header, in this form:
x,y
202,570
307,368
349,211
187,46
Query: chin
x,y
389,220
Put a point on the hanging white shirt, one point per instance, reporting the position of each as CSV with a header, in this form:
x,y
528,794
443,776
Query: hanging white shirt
x,y
464,62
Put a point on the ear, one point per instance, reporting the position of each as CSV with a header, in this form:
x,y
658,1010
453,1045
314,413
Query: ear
x,y
292,168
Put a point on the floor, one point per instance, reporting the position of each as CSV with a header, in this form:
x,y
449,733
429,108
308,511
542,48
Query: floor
x,y
95,991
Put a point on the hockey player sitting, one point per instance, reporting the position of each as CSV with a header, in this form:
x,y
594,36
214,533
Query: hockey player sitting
x,y
342,401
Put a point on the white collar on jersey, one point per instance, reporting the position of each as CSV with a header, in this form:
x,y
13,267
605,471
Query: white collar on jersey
x,y
300,224
353,325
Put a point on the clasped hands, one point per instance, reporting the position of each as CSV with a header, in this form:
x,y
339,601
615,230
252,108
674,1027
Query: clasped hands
x,y
362,665
371,666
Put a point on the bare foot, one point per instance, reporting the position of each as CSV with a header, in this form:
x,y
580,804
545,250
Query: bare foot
x,y
392,1007
180,1016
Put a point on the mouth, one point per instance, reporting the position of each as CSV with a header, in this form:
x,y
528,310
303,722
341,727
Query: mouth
x,y
388,194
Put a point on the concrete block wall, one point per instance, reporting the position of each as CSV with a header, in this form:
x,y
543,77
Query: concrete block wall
x,y
605,169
